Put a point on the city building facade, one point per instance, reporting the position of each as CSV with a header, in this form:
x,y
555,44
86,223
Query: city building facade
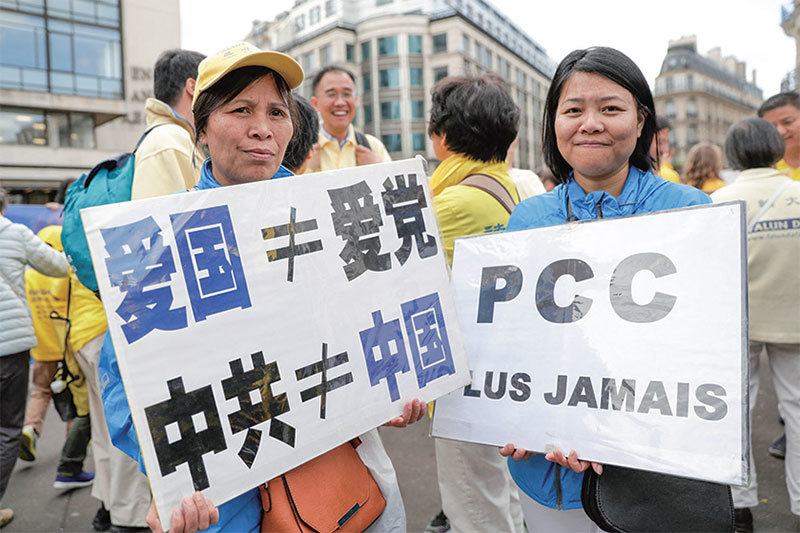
x,y
74,76
790,22
702,96
399,49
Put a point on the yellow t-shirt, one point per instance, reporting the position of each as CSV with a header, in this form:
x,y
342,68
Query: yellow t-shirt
x,y
45,295
87,318
668,172
794,172
331,157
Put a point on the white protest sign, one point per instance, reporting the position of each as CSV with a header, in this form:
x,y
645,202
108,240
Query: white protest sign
x,y
260,325
624,339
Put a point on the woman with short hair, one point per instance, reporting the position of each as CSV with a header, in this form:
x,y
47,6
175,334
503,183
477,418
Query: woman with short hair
x,y
599,123
703,167
754,147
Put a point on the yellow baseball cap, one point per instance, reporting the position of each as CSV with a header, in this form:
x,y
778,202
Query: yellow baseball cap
x,y
52,236
214,67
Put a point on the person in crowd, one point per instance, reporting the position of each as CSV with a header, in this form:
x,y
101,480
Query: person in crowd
x,y
599,122
703,167
299,150
167,160
783,111
473,123
661,152
340,145
548,179
526,181
754,146
49,299
242,102
19,248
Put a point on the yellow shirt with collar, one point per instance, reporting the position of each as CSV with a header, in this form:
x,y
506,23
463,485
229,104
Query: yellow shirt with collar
x,y
331,157
794,173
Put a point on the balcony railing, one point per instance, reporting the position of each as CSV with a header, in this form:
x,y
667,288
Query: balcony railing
x,y
791,81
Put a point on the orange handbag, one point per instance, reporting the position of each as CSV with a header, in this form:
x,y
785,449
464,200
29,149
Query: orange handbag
x,y
332,492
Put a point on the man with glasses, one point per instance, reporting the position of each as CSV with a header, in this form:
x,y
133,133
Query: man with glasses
x,y
340,144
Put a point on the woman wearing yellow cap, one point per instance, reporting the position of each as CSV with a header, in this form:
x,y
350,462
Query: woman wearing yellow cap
x,y
244,114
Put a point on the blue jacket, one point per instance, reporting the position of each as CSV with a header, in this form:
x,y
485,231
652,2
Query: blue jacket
x,y
644,192
240,514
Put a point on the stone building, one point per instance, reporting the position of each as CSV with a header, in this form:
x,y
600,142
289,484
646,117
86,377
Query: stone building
x,y
73,80
790,22
702,95
399,49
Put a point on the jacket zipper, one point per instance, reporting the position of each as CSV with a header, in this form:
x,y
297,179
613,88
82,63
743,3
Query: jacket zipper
x,y
559,495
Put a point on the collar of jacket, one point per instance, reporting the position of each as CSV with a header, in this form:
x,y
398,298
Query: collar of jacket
x,y
457,167
158,112
753,174
584,205
325,137
207,180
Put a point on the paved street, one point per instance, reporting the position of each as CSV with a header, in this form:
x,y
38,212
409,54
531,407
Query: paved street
x,y
41,508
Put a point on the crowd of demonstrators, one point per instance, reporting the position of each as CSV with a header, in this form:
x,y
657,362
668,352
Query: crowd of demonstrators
x,y
606,153
703,167
599,122
473,123
50,301
19,248
340,145
754,146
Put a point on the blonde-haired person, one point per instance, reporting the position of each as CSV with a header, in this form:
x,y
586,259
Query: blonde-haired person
x,y
703,167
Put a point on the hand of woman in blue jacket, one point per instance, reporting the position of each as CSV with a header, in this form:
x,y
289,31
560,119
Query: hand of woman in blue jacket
x,y
572,462
518,454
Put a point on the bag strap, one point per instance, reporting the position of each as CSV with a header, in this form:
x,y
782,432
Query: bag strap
x,y
362,140
752,224
141,139
493,188
70,377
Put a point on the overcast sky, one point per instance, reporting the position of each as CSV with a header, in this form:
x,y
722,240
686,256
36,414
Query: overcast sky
x,y
747,29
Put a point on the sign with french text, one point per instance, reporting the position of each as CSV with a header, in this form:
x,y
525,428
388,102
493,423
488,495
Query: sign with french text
x,y
259,325
622,339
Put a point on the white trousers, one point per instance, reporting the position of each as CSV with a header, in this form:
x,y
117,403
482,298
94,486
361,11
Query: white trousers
x,y
118,483
478,493
540,518
784,362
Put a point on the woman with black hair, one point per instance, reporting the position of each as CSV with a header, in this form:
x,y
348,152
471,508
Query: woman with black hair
x,y
599,123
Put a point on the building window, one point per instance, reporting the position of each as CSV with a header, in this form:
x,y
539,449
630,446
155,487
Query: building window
x,y
313,16
440,43
102,12
439,73
417,109
367,81
691,108
330,8
418,142
691,135
415,76
389,78
387,46
415,45
325,56
23,54
36,127
367,114
300,23
464,44
350,53
486,57
392,142
383,2
366,46
390,110
308,62
669,109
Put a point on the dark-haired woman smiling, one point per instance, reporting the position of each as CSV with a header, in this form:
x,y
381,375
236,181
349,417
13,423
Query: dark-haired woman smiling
x,y
599,123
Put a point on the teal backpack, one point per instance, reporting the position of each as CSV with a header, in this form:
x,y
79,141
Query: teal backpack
x,y
109,182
